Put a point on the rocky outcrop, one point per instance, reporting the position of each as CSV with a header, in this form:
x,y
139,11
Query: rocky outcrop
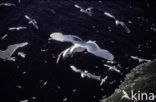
x,y
142,79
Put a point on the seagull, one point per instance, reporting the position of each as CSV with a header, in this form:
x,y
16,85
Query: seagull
x,y
32,21
140,59
24,101
79,46
4,36
87,11
17,28
103,80
113,68
6,55
89,75
118,22
7,4
109,15
85,73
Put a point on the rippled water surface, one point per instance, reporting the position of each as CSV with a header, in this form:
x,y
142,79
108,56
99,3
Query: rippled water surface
x,y
37,78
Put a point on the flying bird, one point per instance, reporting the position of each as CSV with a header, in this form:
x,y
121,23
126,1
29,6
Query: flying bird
x,y
113,68
79,46
118,22
109,15
4,36
17,28
140,59
89,75
85,73
7,54
87,11
32,21
7,4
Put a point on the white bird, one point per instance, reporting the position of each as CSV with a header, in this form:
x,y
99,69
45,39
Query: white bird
x,y
89,75
118,22
103,80
113,68
17,28
79,46
24,101
85,73
140,59
4,36
7,4
87,11
6,55
32,21
21,54
109,15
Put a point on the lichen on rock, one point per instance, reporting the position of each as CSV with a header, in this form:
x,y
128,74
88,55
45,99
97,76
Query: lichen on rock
x,y
142,79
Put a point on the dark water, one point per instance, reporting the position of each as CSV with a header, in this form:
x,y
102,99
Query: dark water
x,y
32,72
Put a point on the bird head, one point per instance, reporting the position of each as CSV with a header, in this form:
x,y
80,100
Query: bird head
x,y
56,36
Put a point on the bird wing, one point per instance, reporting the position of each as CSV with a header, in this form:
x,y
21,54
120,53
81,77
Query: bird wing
x,y
109,15
12,48
72,39
77,6
64,53
58,57
65,38
93,48
27,17
103,54
125,27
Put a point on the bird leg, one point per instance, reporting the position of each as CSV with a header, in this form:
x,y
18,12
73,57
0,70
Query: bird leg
x,y
72,49
72,54
65,53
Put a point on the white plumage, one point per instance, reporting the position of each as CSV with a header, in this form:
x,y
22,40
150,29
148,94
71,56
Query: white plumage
x,y
6,55
79,46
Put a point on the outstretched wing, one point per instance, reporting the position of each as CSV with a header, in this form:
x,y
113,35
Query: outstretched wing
x,y
124,26
77,6
64,53
65,38
103,54
109,15
93,48
27,17
12,48
59,56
